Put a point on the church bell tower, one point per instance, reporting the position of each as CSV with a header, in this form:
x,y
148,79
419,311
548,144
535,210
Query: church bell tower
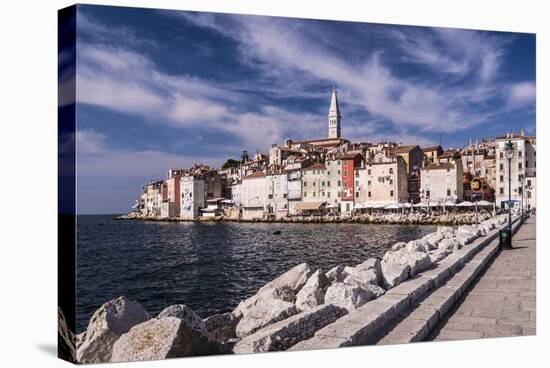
x,y
334,116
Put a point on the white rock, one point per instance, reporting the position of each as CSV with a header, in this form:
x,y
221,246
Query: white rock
x,y
284,293
394,273
418,246
222,326
182,311
286,333
397,246
294,278
448,243
351,297
336,274
264,312
438,254
162,338
312,294
107,324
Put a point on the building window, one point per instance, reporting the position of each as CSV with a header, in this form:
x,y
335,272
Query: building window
x,y
328,183
448,192
520,165
345,184
270,196
501,155
520,153
314,183
528,194
339,183
323,183
356,194
369,194
391,181
284,195
338,162
305,183
357,183
528,182
368,172
323,194
427,194
502,178
391,193
314,194
526,163
391,170
369,183
501,191
345,173
501,166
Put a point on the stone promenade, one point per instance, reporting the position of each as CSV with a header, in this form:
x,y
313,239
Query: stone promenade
x,y
501,302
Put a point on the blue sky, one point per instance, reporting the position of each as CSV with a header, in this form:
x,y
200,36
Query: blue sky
x,y
159,89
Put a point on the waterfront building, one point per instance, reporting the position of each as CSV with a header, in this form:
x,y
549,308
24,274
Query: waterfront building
x,y
153,197
431,154
192,189
530,194
294,185
442,182
382,181
523,165
173,187
412,154
341,169
277,194
253,196
449,156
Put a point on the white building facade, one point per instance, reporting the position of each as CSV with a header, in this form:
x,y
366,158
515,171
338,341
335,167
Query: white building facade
x,y
192,195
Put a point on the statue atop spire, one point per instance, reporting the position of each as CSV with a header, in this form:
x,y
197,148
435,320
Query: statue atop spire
x,y
334,116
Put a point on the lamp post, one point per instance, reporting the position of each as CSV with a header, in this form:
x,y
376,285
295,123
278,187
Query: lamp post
x,y
509,152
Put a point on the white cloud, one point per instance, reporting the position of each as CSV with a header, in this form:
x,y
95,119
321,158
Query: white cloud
x,y
521,94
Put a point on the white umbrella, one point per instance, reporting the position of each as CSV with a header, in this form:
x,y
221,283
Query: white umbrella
x,y
358,206
484,203
420,204
449,203
406,205
393,207
465,204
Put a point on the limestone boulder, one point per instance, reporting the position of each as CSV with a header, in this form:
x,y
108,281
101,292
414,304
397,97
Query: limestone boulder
x,y
418,245
351,297
294,278
66,339
433,239
465,238
438,255
336,274
394,273
366,273
397,246
312,294
448,244
284,293
222,326
184,312
284,334
162,338
264,312
416,260
107,324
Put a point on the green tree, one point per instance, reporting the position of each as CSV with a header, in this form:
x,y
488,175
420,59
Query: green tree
x,y
230,163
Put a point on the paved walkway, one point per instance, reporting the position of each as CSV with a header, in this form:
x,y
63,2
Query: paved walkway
x,y
501,302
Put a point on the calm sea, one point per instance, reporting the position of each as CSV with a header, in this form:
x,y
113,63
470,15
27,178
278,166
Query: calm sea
x,y
210,266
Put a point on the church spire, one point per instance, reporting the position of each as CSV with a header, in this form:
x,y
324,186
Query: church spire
x,y
334,116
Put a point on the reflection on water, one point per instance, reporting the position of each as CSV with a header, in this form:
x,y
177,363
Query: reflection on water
x,y
210,266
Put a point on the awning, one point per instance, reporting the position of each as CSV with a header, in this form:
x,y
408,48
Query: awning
x,y
484,203
465,204
309,206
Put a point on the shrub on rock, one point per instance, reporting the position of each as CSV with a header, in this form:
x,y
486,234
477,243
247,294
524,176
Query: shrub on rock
x,y
107,324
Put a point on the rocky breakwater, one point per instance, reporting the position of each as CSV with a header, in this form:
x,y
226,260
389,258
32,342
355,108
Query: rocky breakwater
x,y
287,313
415,218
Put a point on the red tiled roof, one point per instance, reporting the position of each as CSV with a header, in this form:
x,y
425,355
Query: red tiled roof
x,y
316,166
255,175
441,166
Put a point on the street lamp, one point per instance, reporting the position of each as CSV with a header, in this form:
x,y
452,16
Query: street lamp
x,y
509,152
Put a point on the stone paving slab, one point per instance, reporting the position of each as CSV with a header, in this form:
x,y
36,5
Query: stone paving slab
x,y
502,300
